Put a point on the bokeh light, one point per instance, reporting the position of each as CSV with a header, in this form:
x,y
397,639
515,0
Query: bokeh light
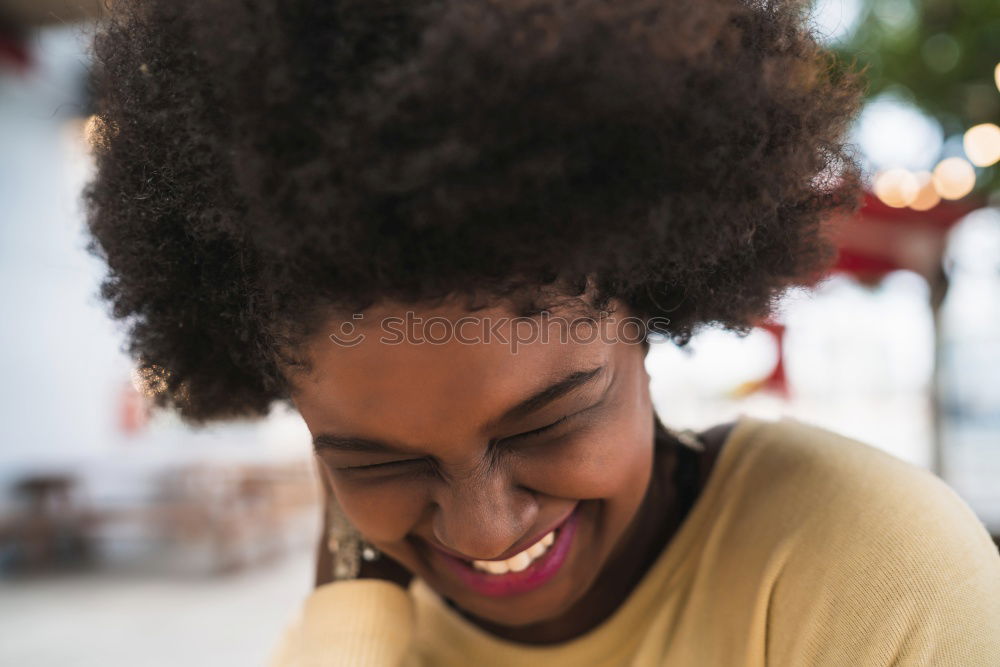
x,y
927,197
982,144
954,178
941,52
894,133
896,187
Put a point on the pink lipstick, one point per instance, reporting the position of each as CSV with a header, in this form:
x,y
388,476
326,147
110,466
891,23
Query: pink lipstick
x,y
539,572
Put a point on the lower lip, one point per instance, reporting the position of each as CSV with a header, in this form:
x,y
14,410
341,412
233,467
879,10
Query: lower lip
x,y
535,575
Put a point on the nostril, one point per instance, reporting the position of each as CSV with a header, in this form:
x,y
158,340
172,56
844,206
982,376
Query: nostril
x,y
479,526
473,545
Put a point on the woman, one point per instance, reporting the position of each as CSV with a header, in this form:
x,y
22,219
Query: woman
x,y
445,232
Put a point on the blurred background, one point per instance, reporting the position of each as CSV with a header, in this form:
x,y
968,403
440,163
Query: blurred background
x,y
125,536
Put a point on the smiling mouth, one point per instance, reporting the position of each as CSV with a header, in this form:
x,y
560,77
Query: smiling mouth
x,y
518,562
525,571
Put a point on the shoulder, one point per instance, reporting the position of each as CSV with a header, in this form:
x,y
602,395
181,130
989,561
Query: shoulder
x,y
358,621
838,477
831,485
879,561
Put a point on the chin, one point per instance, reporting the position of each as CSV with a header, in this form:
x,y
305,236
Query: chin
x,y
520,614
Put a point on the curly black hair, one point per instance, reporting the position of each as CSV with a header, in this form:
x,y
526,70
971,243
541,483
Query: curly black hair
x,y
263,163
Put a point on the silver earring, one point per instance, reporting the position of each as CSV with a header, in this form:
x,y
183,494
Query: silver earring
x,y
347,547
687,437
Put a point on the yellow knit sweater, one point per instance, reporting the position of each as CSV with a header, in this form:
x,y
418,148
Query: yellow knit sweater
x,y
805,548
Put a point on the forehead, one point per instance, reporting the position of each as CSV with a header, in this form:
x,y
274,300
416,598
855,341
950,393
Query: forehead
x,y
412,374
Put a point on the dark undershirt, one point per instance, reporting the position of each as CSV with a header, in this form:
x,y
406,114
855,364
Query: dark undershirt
x,y
693,467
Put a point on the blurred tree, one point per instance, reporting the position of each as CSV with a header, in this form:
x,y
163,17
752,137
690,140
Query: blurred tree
x,y
940,55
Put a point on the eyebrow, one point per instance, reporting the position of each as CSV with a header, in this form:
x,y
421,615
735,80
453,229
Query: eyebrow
x,y
523,408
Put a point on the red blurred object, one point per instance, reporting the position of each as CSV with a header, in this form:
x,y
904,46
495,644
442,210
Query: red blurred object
x,y
880,239
133,410
876,241
13,52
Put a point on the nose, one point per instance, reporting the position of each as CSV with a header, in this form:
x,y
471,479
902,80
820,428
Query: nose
x,y
482,517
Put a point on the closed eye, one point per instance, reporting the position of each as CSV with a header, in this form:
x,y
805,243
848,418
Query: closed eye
x,y
527,435
384,466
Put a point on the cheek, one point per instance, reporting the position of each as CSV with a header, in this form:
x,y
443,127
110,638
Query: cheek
x,y
383,512
605,462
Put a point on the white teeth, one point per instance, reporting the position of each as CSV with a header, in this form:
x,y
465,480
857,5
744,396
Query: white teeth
x,y
494,566
518,562
536,550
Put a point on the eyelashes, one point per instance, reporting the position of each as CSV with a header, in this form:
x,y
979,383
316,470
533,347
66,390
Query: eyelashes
x,y
384,466
527,435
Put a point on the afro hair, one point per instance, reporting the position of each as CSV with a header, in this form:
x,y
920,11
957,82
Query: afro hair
x,y
261,164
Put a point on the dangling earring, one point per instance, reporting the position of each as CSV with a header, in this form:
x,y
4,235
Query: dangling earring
x,y
347,547
687,437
